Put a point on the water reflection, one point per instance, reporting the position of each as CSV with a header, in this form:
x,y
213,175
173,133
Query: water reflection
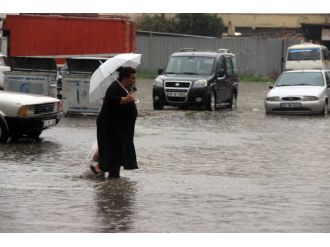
x,y
28,148
115,199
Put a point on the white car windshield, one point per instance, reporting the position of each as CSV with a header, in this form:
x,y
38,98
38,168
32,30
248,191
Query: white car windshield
x,y
300,79
190,65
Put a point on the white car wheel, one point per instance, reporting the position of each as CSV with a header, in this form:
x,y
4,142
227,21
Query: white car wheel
x,y
325,109
3,131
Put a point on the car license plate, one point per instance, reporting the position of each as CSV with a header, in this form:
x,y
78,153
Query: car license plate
x,y
176,94
290,105
49,122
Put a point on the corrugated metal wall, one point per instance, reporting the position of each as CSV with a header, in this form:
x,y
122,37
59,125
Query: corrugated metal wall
x,y
255,55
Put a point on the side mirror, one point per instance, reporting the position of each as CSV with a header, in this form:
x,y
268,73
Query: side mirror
x,y
160,71
270,86
328,86
221,72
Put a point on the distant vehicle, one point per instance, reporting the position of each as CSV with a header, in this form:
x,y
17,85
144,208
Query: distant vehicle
x,y
3,67
74,85
33,75
300,91
24,114
72,35
307,56
197,78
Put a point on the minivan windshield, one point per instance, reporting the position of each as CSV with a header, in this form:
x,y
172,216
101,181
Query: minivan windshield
x,y
190,65
300,79
304,54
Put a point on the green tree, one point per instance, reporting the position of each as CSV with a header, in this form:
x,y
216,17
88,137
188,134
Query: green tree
x,y
193,24
155,23
199,24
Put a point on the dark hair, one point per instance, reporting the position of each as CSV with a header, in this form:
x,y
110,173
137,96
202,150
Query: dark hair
x,y
125,72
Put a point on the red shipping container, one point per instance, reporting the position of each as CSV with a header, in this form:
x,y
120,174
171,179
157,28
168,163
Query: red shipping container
x,y
30,35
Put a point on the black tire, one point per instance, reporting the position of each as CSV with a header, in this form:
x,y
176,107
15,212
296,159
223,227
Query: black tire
x,y
233,100
212,102
4,134
158,106
325,109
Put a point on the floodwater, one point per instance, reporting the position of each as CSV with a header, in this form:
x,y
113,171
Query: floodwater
x,y
225,171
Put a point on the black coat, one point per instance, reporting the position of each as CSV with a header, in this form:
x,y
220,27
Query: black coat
x,y
115,130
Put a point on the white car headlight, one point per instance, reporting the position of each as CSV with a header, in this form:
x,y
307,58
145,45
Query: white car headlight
x,y
158,82
200,83
274,98
26,110
309,98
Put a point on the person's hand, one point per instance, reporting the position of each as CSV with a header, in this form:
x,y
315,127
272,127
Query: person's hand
x,y
131,98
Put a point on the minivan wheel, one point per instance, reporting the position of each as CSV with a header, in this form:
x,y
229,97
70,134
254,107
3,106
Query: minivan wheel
x,y
233,100
3,131
158,106
212,104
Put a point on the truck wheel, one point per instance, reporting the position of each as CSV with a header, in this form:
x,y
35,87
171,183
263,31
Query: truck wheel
x,y
212,104
3,131
158,106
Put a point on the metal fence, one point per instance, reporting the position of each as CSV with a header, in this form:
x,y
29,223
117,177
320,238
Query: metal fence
x,y
255,55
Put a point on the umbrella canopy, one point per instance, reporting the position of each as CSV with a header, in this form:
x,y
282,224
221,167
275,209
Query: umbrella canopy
x,y
105,74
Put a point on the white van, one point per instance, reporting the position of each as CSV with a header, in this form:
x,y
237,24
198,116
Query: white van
x,y
307,56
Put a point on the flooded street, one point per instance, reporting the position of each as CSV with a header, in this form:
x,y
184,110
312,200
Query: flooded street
x,y
225,171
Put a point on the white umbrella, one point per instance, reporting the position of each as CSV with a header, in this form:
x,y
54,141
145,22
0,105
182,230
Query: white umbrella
x,y
105,74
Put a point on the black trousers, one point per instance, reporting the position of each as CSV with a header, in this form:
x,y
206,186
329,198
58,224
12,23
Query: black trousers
x,y
114,172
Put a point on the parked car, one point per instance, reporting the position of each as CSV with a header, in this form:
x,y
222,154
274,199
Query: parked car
x,y
27,114
3,67
300,91
197,78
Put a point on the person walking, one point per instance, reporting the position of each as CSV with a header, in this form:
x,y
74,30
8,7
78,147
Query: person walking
x,y
115,126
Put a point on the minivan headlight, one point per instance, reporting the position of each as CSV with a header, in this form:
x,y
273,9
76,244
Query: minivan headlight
x,y
309,98
273,98
200,83
26,110
158,82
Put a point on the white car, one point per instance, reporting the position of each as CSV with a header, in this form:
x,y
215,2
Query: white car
x,y
27,114
300,91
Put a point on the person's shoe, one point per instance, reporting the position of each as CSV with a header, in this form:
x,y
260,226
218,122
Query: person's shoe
x,y
96,173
